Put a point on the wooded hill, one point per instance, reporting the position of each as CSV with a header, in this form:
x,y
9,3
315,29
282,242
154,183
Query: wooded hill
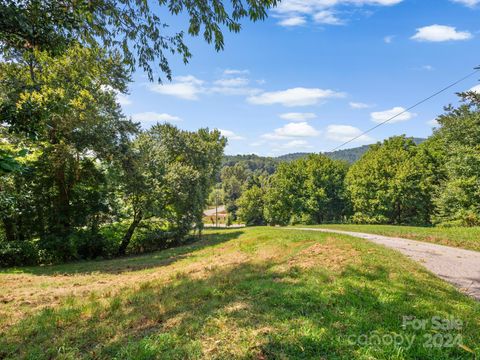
x,y
255,162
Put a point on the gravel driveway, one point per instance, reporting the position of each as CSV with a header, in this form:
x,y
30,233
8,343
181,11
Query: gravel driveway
x,y
457,266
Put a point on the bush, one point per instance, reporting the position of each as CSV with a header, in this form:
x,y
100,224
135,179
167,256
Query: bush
x,y
361,218
151,241
462,218
18,253
54,249
150,235
82,244
92,245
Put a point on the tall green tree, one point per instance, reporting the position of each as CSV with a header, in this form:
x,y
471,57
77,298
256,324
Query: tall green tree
x,y
457,197
387,185
251,204
167,175
234,179
140,181
80,124
326,199
309,190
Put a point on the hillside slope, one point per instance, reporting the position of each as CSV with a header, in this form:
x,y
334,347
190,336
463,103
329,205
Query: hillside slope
x,y
254,161
351,155
257,293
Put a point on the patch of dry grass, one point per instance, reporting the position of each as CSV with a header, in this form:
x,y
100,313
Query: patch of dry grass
x,y
25,291
253,293
329,255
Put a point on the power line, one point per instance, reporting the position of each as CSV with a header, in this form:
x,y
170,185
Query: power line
x,y
477,69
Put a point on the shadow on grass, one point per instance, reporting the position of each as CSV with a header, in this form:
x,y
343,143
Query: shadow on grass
x,y
252,311
130,263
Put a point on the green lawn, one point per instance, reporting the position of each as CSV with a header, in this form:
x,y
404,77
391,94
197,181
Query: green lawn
x,y
256,293
462,237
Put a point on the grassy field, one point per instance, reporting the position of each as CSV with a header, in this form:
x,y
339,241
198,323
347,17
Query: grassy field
x,y
462,237
257,293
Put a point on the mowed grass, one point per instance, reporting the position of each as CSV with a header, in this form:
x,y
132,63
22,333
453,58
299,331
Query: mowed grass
x,y
462,237
256,293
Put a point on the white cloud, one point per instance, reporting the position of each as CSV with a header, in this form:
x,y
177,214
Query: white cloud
x,y
295,12
232,82
296,6
190,88
388,39
311,6
236,72
247,91
123,99
433,123
382,116
295,116
258,143
233,86
294,97
439,33
327,17
475,89
183,87
150,116
345,133
469,3
292,130
428,67
230,135
296,144
359,105
292,21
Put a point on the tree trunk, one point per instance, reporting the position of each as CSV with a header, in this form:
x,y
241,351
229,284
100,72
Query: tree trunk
x,y
62,201
9,228
128,235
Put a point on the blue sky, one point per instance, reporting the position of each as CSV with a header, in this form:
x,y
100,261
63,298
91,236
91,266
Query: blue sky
x,y
317,72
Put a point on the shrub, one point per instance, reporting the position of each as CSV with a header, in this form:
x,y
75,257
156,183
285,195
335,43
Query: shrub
x,y
18,253
151,241
150,235
54,249
93,245
463,218
82,244
361,218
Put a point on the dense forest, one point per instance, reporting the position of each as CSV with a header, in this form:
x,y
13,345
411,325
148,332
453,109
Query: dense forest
x,y
399,181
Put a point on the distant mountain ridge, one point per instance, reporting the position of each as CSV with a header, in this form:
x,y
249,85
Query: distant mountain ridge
x,y
350,155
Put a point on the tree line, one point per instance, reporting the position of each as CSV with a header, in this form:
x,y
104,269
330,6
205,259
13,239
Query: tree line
x,y
79,179
399,181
